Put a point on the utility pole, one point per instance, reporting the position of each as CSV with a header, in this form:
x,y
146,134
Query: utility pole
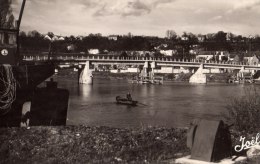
x,y
183,52
18,28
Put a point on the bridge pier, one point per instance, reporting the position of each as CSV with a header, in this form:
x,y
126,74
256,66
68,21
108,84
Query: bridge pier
x,y
86,76
148,70
152,72
145,72
241,72
199,77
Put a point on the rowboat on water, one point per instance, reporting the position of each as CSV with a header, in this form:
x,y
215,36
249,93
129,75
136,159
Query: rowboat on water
x,y
125,101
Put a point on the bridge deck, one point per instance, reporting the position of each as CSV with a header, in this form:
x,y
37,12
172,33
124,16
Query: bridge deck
x,y
168,62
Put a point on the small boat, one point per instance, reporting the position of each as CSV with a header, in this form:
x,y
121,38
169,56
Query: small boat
x,y
248,79
157,80
232,80
125,101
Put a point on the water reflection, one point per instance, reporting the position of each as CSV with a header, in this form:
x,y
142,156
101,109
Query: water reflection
x,y
85,90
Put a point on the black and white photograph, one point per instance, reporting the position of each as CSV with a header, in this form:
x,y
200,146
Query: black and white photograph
x,y
130,81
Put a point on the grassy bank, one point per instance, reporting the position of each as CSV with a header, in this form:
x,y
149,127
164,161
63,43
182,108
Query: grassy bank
x,y
81,144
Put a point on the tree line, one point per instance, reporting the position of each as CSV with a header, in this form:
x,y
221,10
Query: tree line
x,y
220,41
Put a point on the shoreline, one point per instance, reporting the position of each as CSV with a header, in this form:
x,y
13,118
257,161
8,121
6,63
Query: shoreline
x,y
181,77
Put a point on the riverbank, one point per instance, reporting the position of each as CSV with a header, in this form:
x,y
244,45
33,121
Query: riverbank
x,y
83,144
181,77
95,144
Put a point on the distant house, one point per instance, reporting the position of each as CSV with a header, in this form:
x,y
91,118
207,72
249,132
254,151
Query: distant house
x,y
105,51
168,52
160,47
236,59
206,52
93,51
71,47
113,37
222,55
194,52
252,60
135,53
205,57
228,36
201,38
184,38
79,37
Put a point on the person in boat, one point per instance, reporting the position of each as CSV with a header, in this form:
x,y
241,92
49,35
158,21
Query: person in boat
x,y
128,96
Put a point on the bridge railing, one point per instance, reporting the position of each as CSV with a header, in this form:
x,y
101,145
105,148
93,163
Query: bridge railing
x,y
120,58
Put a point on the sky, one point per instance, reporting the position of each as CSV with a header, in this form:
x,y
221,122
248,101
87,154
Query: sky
x,y
140,17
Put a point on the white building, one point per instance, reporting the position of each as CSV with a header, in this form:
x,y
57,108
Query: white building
x,y
184,38
168,52
206,57
128,70
93,51
113,37
201,38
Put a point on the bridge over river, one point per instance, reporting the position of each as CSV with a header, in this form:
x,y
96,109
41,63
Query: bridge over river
x,y
148,63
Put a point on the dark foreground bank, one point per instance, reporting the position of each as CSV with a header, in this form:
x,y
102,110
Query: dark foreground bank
x,y
81,144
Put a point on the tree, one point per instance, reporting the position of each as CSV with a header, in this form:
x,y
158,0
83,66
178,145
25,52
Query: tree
x,y
147,55
238,38
224,58
129,35
157,54
220,36
10,21
192,37
34,34
50,34
124,54
210,36
22,34
171,34
6,16
72,38
230,36
185,34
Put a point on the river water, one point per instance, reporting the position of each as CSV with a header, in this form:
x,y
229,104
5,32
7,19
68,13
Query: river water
x,y
171,104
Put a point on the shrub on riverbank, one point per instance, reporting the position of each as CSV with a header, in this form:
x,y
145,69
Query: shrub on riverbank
x,y
218,77
81,144
244,112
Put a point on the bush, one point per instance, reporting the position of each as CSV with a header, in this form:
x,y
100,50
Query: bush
x,y
244,112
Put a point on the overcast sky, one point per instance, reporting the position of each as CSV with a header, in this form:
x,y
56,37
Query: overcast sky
x,y
141,17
